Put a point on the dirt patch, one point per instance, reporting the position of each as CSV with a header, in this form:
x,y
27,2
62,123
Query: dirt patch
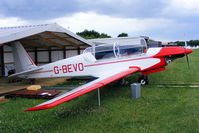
x,y
3,100
8,87
50,81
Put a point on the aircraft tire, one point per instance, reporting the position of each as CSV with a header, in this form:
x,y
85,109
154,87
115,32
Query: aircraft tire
x,y
143,80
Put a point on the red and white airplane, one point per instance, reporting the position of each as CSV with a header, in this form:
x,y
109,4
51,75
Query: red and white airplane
x,y
107,63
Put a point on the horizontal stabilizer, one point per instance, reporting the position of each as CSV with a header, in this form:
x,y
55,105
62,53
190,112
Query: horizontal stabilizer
x,y
25,72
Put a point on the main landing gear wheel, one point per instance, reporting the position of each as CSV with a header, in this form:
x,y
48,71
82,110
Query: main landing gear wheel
x,y
143,80
120,82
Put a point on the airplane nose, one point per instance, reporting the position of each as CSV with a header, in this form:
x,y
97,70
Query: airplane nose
x,y
188,51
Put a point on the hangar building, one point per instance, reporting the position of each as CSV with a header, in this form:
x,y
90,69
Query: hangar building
x,y
45,43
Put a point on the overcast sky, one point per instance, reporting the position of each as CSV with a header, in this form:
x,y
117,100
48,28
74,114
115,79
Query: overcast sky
x,y
159,19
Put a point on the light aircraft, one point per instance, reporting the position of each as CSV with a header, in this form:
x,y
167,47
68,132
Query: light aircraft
x,y
107,63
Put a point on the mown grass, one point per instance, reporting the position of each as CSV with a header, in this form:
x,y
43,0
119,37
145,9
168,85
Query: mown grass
x,y
158,110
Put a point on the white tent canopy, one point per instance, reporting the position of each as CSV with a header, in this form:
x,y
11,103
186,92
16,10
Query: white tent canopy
x,y
45,43
45,35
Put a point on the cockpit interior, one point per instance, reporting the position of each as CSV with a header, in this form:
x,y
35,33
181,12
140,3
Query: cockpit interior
x,y
117,50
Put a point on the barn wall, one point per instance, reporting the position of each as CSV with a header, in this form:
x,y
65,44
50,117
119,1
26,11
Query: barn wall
x,y
8,59
57,55
42,56
71,53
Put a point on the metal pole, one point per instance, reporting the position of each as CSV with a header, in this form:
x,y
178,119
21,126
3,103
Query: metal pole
x,y
99,103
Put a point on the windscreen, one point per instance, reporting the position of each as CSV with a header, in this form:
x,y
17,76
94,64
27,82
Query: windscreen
x,y
118,50
125,50
104,52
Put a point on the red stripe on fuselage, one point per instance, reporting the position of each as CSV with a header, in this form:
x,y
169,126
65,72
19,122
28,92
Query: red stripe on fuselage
x,y
116,62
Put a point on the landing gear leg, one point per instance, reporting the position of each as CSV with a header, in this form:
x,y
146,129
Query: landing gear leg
x,y
143,80
121,81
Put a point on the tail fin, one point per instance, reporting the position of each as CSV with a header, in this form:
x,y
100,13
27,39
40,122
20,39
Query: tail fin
x,y
22,60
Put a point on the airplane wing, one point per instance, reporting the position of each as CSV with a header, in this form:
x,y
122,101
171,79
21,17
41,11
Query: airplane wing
x,y
102,81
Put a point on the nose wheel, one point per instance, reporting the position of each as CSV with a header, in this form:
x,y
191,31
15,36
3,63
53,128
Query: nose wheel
x,y
143,80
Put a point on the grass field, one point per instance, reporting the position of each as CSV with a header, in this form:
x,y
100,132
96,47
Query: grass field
x,y
160,109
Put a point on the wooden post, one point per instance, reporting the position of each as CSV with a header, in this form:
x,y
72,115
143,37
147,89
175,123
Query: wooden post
x,y
2,66
64,53
49,55
36,56
78,51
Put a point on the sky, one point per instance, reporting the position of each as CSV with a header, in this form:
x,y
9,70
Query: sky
x,y
164,20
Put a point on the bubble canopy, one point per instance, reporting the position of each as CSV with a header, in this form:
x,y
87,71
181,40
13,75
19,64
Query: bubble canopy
x,y
118,50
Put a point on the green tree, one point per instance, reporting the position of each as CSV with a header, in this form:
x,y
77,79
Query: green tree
x,y
92,34
123,35
192,43
180,43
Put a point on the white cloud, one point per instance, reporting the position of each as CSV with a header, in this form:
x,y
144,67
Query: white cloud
x,y
182,7
108,1
156,28
12,21
111,25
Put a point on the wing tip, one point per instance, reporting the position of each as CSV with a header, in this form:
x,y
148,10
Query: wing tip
x,y
36,108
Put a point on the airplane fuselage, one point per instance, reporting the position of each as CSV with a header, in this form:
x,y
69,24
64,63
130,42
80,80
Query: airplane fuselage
x,y
79,66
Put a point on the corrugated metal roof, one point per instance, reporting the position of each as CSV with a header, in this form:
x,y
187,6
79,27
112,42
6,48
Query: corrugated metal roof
x,y
41,35
5,31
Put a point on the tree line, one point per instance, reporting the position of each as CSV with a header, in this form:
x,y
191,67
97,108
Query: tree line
x,y
192,43
92,34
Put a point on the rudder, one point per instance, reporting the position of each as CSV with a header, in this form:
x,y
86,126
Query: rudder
x,y
22,60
